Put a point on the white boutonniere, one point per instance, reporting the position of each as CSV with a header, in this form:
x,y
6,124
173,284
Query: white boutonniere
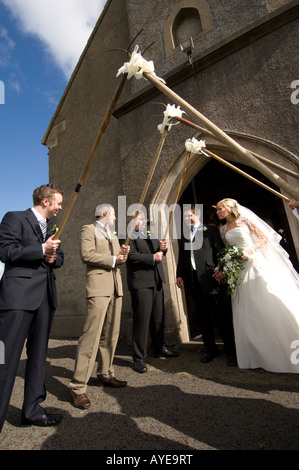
x,y
54,229
148,234
113,234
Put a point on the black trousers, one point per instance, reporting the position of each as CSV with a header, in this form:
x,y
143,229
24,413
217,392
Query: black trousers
x,y
148,316
15,327
213,310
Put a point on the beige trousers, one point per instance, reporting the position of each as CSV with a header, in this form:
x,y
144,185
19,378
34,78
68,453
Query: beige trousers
x,y
99,339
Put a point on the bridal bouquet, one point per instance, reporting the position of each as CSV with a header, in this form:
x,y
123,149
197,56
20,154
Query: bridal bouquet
x,y
230,261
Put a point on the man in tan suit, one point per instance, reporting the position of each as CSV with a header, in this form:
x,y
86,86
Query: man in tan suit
x,y
101,252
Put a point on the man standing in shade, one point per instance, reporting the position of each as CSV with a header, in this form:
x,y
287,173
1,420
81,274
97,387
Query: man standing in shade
x,y
28,300
195,271
145,279
102,254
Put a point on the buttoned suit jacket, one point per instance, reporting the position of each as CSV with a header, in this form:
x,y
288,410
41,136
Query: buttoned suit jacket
x,y
205,259
26,273
97,252
142,272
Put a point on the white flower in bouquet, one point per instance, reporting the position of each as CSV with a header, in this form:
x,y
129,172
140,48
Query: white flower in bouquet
x,y
230,261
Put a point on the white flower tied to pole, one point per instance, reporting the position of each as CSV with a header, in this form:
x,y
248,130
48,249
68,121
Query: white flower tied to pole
x,y
195,146
170,112
137,66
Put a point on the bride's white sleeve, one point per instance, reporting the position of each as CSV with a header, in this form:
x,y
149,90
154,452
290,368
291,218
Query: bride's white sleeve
x,y
268,241
259,238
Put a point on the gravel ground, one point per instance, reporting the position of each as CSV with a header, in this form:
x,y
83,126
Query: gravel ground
x,y
179,405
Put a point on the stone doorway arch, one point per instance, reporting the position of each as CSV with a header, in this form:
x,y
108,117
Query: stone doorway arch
x,y
177,324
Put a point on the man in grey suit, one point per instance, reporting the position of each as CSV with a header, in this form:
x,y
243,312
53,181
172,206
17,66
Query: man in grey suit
x,y
195,271
28,300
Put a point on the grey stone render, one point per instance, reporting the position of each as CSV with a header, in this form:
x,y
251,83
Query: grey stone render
x,y
242,75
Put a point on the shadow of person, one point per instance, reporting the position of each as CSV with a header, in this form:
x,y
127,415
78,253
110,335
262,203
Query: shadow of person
x,y
166,418
107,431
218,421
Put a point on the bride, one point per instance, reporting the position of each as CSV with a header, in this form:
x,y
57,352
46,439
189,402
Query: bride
x,y
266,302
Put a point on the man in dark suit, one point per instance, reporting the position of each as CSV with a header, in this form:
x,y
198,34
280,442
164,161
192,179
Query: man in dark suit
x,y
145,279
28,300
197,261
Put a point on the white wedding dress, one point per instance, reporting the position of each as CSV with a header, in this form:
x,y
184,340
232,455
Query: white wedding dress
x,y
265,304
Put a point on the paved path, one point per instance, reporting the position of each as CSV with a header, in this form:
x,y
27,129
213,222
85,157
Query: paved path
x,y
179,405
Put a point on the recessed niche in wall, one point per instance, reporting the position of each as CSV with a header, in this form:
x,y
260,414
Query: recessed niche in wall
x,y
189,19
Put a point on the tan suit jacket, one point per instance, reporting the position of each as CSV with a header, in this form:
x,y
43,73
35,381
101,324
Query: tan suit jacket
x,y
98,252
104,302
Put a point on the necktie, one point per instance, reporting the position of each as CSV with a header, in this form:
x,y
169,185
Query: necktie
x,y
43,227
108,232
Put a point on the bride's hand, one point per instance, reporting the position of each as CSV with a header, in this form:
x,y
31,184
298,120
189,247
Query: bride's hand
x,y
248,254
218,276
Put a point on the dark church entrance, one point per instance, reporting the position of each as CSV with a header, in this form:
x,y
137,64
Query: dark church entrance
x,y
215,182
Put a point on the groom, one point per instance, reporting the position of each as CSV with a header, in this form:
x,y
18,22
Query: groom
x,y
195,272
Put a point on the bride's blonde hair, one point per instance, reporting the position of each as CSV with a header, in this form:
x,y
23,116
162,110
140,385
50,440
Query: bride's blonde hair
x,y
231,205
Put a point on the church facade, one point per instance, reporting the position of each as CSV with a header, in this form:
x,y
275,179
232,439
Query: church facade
x,y
236,62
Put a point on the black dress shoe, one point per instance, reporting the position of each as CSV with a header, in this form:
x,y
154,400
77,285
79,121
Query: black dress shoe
x,y
166,353
139,366
209,357
45,420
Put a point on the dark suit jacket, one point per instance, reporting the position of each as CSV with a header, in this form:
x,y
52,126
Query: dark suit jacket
x,y
142,272
205,259
26,274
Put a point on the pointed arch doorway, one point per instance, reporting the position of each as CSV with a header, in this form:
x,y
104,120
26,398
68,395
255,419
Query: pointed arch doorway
x,y
206,182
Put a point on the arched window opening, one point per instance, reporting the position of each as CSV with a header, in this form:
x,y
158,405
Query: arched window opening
x,y
186,24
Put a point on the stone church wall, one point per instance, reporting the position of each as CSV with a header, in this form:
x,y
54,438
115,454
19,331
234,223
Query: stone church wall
x,y
243,65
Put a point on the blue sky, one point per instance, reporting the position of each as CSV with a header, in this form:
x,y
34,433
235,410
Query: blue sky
x,y
40,44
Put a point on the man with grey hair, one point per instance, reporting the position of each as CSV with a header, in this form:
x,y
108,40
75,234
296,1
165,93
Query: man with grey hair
x,y
102,254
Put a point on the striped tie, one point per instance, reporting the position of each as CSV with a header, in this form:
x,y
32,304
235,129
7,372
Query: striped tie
x,y
43,226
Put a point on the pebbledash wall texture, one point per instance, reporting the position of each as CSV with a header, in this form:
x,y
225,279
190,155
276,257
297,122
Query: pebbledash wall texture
x,y
241,75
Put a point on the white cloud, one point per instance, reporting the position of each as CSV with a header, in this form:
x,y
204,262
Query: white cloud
x,y
6,46
14,82
63,26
